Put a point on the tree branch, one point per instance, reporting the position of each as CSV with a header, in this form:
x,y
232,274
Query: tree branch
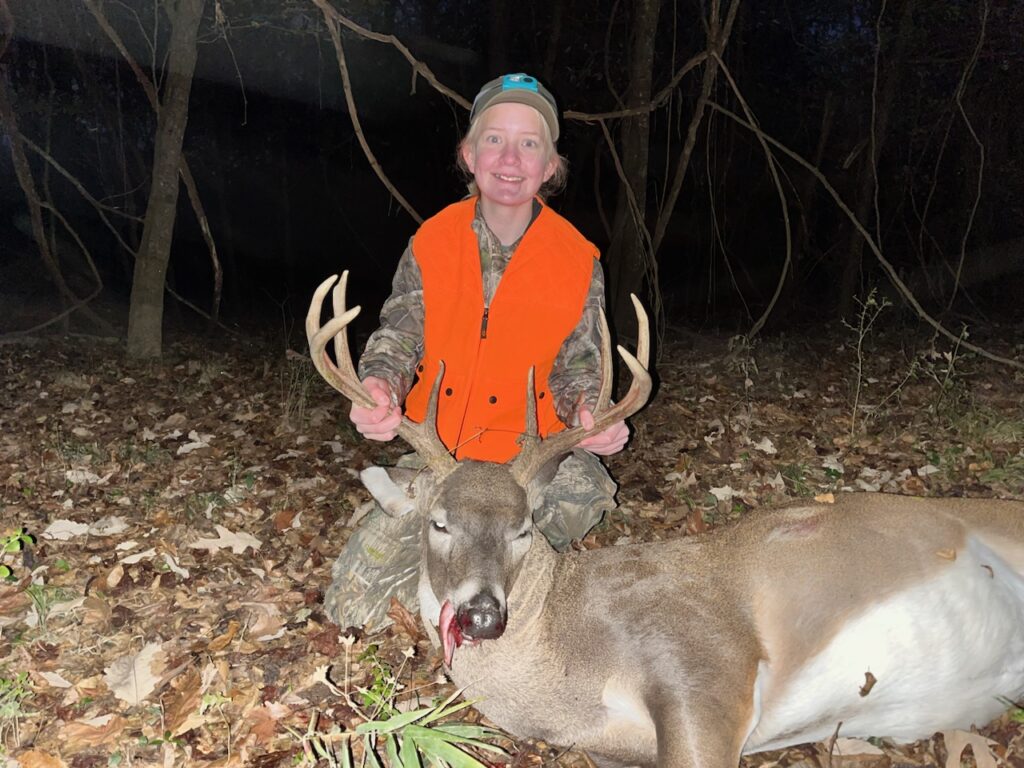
x,y
184,170
333,19
890,271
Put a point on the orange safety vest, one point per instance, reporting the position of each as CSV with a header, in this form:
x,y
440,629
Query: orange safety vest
x,y
488,352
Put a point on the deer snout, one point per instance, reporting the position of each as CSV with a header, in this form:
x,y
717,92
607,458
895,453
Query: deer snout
x,y
482,618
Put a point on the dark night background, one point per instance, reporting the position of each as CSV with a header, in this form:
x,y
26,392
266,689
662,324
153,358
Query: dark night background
x,y
291,196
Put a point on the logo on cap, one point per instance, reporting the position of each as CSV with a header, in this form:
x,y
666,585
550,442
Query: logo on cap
x,y
519,82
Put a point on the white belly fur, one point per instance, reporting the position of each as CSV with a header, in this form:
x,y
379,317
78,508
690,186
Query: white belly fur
x,y
941,652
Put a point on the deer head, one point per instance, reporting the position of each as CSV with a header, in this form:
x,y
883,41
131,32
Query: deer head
x,y
477,516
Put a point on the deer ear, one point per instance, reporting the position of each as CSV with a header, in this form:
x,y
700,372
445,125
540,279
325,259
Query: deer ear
x,y
392,488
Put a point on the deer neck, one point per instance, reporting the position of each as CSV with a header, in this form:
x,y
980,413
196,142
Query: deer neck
x,y
530,592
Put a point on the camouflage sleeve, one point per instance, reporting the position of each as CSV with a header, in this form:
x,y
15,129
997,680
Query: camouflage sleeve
x,y
394,349
575,378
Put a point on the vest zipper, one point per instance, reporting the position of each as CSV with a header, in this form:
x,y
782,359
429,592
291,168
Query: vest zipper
x,y
483,323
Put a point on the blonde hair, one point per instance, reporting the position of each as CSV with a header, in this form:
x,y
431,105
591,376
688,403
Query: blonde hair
x,y
552,186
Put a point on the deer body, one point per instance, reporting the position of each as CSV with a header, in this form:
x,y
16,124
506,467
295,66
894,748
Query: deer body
x,y
691,652
876,615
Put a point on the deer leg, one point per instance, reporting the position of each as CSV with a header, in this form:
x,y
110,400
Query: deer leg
x,y
684,744
706,725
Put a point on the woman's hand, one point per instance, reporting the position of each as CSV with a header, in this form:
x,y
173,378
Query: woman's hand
x,y
380,423
606,442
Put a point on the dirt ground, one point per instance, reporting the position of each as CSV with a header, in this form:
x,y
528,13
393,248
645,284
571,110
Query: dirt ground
x,y
180,519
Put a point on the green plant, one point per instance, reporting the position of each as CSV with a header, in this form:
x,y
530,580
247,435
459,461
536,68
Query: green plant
x,y
402,740
202,504
44,597
942,369
407,738
390,736
11,543
870,310
296,378
796,476
13,693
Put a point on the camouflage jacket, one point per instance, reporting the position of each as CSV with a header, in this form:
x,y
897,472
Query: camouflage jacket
x,y
394,349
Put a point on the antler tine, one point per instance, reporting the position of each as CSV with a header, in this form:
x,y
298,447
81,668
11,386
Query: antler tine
x,y
343,379
604,397
537,452
423,438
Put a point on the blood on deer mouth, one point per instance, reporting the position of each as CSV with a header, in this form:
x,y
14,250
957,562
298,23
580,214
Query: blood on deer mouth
x,y
451,633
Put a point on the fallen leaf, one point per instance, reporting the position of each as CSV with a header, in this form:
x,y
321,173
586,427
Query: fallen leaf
x,y
132,678
957,741
283,519
35,758
265,720
724,493
224,640
182,706
139,557
64,530
237,542
85,477
173,565
196,441
92,732
845,746
404,620
110,525
54,680
268,624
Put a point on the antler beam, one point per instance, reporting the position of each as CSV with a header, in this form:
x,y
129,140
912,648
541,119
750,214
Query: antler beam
x,y
423,437
537,452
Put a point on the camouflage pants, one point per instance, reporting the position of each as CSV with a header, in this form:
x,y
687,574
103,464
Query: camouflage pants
x,y
382,556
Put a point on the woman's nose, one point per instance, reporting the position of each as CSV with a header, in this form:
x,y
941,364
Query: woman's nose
x,y
510,153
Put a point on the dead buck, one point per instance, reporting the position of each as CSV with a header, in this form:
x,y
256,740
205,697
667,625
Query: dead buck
x,y
695,651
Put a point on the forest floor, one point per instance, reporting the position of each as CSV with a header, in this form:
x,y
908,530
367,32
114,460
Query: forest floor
x,y
184,516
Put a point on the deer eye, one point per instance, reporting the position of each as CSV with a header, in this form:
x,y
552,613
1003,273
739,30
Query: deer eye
x,y
525,534
439,527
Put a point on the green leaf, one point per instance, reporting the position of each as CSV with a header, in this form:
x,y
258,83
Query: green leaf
x,y
391,724
473,735
441,733
444,709
391,750
454,756
410,756
369,756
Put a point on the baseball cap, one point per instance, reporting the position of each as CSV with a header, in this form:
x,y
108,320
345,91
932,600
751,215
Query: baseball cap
x,y
518,88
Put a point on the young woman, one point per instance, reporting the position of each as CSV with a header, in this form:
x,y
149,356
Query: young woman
x,y
492,286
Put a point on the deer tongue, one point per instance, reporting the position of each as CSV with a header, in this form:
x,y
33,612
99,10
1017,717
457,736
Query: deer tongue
x,y
451,633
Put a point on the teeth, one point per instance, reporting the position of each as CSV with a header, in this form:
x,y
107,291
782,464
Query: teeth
x,y
508,178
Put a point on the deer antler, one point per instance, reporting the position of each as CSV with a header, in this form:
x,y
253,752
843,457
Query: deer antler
x,y
536,452
422,437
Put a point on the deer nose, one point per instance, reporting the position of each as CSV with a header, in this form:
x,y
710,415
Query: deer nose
x,y
482,618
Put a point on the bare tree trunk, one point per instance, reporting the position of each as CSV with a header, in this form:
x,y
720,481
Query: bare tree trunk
x,y
497,38
23,171
626,262
145,315
867,183
557,10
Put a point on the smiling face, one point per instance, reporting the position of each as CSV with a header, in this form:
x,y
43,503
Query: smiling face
x,y
510,155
